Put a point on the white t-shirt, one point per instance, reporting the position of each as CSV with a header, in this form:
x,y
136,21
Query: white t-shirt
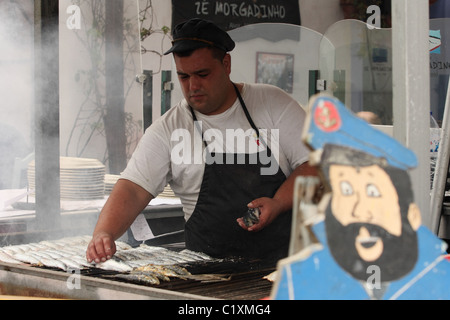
x,y
171,150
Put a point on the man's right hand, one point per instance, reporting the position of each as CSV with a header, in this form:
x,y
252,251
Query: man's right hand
x,y
101,248
125,202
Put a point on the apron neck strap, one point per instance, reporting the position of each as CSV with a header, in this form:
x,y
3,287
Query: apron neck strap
x,y
244,108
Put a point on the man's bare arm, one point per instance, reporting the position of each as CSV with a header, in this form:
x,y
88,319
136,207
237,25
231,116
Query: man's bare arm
x,y
124,204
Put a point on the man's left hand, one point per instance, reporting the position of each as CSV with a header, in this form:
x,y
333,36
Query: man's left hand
x,y
269,209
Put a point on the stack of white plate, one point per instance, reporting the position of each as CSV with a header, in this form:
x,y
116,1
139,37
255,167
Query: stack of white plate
x,y
80,178
110,181
167,193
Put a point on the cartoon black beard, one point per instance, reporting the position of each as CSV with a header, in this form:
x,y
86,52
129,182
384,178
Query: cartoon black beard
x,y
399,253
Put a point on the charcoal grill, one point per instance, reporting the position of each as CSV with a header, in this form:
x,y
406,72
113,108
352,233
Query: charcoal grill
x,y
18,280
246,277
245,282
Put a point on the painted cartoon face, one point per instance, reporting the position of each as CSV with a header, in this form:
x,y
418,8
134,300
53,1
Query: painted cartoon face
x,y
368,223
365,195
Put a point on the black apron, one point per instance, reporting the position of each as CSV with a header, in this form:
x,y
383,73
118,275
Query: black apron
x,y
226,190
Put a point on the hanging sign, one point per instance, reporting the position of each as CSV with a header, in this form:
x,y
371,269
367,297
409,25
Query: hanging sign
x,y
232,14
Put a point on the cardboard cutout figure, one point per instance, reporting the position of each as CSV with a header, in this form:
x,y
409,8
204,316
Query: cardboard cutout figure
x,y
363,239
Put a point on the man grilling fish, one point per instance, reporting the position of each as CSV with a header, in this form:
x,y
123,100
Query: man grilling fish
x,y
219,181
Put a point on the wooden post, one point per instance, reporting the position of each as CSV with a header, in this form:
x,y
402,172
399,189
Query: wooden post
x,y
115,100
47,114
411,82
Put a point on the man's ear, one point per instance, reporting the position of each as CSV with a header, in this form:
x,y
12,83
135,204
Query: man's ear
x,y
227,62
414,216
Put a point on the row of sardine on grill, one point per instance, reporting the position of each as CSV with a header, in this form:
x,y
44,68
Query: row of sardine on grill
x,y
144,263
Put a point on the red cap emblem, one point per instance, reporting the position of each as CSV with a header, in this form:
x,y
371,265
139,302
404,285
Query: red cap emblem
x,y
326,117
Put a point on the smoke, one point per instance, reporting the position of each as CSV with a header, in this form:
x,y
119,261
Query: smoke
x,y
81,87
16,86
24,100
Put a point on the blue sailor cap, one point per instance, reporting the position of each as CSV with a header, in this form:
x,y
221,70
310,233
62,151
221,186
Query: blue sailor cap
x,y
330,122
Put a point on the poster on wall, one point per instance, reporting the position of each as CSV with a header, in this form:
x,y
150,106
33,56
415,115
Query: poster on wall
x,y
232,14
276,69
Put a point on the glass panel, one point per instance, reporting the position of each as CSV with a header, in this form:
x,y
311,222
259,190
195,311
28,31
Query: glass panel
x,y
439,65
275,53
86,58
279,54
356,62
100,99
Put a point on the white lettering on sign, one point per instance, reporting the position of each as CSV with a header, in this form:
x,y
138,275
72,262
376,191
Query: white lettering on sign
x,y
249,10
202,8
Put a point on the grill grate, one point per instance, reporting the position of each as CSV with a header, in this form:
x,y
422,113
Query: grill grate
x,y
245,280
235,278
241,286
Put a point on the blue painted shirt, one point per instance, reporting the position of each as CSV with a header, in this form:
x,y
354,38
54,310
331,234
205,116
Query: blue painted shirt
x,y
318,276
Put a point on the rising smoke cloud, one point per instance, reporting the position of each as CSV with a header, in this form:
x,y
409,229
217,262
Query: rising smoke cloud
x,y
16,85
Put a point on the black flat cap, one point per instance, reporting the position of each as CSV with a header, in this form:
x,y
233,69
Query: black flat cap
x,y
198,33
